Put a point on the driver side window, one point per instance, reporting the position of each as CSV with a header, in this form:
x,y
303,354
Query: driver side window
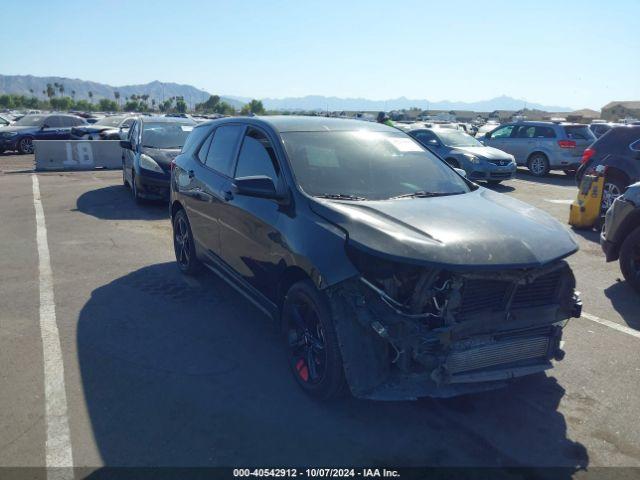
x,y
503,132
257,157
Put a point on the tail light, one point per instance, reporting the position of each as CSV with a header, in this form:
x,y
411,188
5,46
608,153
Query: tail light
x,y
587,155
567,143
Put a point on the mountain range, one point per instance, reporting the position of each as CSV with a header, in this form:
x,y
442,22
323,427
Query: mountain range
x,y
159,91
26,84
318,102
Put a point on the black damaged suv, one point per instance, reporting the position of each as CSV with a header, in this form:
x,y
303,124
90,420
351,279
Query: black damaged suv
x,y
387,271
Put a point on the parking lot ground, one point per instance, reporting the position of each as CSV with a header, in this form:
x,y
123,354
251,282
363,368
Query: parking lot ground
x,y
160,369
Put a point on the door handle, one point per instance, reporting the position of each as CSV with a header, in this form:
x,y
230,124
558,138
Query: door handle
x,y
228,195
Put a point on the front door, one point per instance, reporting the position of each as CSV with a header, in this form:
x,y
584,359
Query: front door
x,y
248,225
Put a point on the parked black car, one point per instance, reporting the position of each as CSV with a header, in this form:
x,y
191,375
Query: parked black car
x,y
115,127
21,134
152,144
619,151
387,271
620,237
600,129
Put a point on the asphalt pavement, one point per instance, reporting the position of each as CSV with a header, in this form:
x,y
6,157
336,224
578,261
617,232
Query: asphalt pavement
x,y
165,370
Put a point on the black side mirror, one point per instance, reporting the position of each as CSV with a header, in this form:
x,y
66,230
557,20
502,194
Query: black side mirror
x,y
487,135
259,186
126,144
44,125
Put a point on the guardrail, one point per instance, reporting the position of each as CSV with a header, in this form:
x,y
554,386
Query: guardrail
x,y
77,154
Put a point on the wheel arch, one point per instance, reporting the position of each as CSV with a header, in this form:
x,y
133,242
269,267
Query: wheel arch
x,y
538,151
175,207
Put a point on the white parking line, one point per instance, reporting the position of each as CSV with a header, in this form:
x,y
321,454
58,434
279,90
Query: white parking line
x,y
564,202
610,324
58,443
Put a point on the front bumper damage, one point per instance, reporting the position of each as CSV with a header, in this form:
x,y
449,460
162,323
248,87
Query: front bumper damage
x,y
444,334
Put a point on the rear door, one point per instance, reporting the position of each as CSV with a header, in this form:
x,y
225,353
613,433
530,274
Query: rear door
x,y
50,128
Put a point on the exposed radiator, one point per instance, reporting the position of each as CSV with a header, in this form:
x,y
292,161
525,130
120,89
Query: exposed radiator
x,y
497,353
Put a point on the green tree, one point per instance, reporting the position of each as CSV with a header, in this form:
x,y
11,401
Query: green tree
x,y
106,105
61,103
254,106
181,105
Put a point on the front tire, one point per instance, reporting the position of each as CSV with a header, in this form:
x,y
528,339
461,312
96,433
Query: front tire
x,y
25,146
314,353
630,259
184,246
538,164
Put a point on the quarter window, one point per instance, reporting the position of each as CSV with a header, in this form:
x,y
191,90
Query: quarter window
x,y
222,149
257,156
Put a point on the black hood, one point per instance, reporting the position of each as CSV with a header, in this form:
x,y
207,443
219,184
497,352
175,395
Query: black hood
x,y
480,229
161,155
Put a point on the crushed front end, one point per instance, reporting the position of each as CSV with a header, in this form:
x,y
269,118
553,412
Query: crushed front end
x,y
408,331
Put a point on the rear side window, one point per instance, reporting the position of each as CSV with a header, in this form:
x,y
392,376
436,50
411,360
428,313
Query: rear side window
x,y
579,132
223,147
526,132
53,122
544,132
194,140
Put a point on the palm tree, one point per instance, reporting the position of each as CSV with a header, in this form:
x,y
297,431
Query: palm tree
x,y
90,96
116,95
50,90
153,103
73,94
61,88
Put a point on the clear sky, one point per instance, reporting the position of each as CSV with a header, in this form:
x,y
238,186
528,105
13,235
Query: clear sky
x,y
563,52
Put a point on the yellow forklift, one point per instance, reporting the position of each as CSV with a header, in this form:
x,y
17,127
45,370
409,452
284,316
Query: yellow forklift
x,y
586,210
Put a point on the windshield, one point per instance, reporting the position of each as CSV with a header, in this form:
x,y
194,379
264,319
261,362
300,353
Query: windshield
x,y
367,165
457,138
31,121
165,134
109,121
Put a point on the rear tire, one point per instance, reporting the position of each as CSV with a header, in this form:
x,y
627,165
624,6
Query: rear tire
x,y
184,246
630,259
25,146
312,342
613,187
538,164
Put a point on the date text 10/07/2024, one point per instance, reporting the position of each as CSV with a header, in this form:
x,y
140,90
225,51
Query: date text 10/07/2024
x,y
316,472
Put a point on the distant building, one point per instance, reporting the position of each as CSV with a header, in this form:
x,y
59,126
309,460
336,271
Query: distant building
x,y
614,111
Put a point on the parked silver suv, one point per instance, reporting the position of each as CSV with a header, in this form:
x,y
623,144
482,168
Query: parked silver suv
x,y
542,146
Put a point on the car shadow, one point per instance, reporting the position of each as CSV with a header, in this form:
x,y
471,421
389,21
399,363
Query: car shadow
x,y
185,372
588,234
626,301
553,178
500,187
115,202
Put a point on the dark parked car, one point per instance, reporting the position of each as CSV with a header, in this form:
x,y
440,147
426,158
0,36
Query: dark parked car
x,y
115,127
619,151
463,151
21,134
387,271
600,129
152,144
620,237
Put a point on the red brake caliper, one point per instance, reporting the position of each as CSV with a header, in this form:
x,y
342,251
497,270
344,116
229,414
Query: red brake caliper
x,y
302,369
